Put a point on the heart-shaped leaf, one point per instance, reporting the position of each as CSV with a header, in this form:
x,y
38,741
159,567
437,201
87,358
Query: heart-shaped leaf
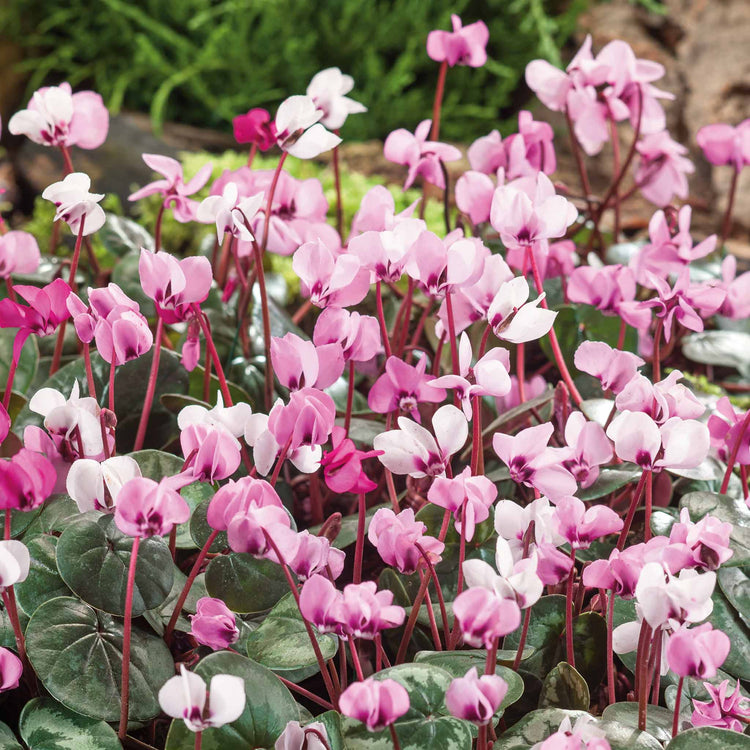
x,y
563,687
658,718
8,740
735,583
77,654
725,617
44,581
709,738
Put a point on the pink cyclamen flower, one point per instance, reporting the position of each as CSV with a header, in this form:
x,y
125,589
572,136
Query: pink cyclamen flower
x,y
398,538
708,539
468,497
342,465
661,401
484,617
14,563
255,127
377,212
11,669
307,420
591,448
530,150
385,253
213,624
413,450
231,212
328,278
697,652
737,303
376,703
185,697
57,117
662,169
76,206
147,508
604,288
725,426
95,485
475,698
320,603
314,554
488,154
233,418
403,387
365,611
211,452
312,736
581,526
240,496
358,336
174,285
513,318
298,363
534,386
583,735
173,188
532,463
722,710
613,368
464,45
19,253
474,191
4,423
26,480
619,573
723,144
421,156
298,130
328,90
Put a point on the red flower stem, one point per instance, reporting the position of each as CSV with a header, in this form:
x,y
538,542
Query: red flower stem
x,y
483,342
313,641
441,599
438,356
214,355
360,544
631,511
610,652
642,667
461,557
188,584
477,454
268,390
482,738
552,337
89,372
733,454
438,101
392,491
9,287
490,665
307,694
157,228
406,306
656,365
418,331
657,647
337,182
726,225
394,737
76,255
304,308
569,650
111,399
127,627
355,658
585,184
67,161
522,639
743,478
6,523
279,462
381,318
269,203
9,600
616,170
649,504
198,740
412,621
621,335
452,337
349,398
381,652
150,388
677,701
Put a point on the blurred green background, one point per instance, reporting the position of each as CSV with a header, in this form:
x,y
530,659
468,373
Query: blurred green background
x,y
201,62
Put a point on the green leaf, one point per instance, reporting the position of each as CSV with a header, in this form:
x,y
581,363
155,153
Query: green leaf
x,y
458,663
57,514
77,654
563,687
725,617
44,581
246,585
45,724
282,644
709,738
658,718
735,583
27,362
20,520
93,559
426,724
200,530
268,708
158,618
589,647
121,236
8,740
725,508
608,481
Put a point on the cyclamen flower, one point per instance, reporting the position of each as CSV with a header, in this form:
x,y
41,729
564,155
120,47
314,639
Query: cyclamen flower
x,y
474,191
661,401
57,117
173,188
398,539
320,603
76,206
14,563
488,154
725,426
697,652
465,45
298,363
312,736
737,303
385,253
365,611
483,617
255,127
211,452
26,481
342,465
581,526
403,387
722,710
412,450
604,288
146,508
95,485
662,168
376,703
421,156
377,213
213,624
723,144
581,735
231,213
11,669
468,497
233,418
613,368
19,253
591,448
328,89
475,698
185,697
708,539
298,130
513,318
530,150
358,336
314,554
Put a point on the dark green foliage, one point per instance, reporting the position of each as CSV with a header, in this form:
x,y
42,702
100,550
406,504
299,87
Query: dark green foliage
x,y
203,61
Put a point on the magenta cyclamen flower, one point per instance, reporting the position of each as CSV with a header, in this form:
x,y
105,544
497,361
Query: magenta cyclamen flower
x,y
320,603
530,150
19,253
723,711
173,188
468,497
376,703
403,387
57,117
11,669
484,617
213,624
26,480
421,156
342,465
398,539
604,288
147,508
255,127
307,420
724,144
475,698
697,652
465,45
211,452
